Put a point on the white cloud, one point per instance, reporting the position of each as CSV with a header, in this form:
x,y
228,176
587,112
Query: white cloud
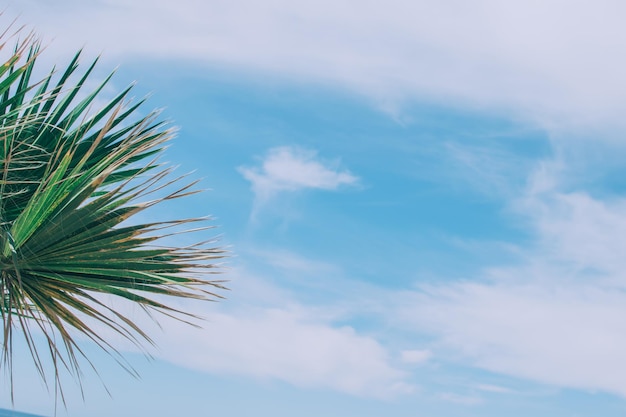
x,y
583,231
568,336
415,356
291,168
291,346
558,63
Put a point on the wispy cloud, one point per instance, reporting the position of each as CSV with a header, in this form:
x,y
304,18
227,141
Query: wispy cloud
x,y
291,346
555,315
289,169
528,58
572,337
292,262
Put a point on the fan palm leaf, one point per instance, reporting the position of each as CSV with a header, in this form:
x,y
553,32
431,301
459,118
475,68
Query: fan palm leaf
x,y
70,180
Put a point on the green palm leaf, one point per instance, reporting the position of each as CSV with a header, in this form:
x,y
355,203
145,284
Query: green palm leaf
x,y
70,179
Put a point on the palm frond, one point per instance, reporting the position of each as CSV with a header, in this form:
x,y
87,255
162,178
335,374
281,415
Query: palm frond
x,y
70,180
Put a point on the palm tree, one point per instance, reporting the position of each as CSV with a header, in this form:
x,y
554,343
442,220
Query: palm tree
x,y
71,180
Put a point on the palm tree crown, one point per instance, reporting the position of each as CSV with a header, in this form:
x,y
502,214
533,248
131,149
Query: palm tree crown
x,y
70,179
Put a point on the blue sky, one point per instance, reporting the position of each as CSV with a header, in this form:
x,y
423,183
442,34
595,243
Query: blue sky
x,y
424,202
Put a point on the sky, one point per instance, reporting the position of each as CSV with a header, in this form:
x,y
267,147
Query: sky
x,y
424,202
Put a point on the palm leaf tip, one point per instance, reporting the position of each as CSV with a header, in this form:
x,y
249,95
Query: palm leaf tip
x,y
71,182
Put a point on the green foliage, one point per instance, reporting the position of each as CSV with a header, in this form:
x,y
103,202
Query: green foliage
x,y
70,179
